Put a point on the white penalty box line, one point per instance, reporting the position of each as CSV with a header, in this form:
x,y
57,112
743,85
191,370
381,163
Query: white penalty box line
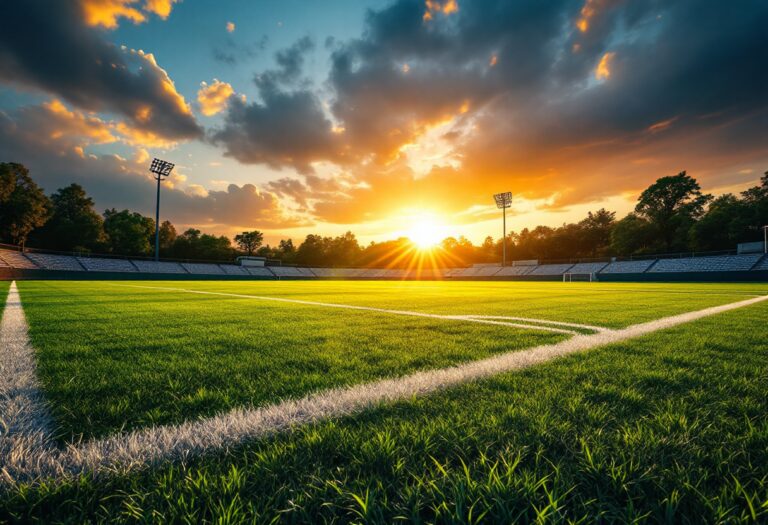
x,y
28,453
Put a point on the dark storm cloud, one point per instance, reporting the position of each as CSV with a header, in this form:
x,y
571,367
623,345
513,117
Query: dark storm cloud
x,y
51,145
231,53
47,45
569,100
287,126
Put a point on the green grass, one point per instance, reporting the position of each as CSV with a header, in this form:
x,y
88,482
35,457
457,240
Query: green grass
x,y
671,428
115,358
4,285
612,305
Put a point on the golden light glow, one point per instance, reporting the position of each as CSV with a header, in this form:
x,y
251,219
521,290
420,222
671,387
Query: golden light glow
x,y
426,232
603,71
213,97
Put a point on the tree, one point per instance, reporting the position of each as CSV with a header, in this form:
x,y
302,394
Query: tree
x,y
249,242
632,235
128,233
672,205
312,251
74,224
726,223
167,237
596,232
192,244
23,205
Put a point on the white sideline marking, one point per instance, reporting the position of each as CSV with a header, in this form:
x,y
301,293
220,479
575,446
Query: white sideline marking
x,y
140,448
483,319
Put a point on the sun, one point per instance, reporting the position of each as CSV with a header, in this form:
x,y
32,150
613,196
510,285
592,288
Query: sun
x,y
426,233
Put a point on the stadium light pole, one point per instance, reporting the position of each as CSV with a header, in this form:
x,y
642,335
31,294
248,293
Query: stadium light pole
x,y
503,201
161,169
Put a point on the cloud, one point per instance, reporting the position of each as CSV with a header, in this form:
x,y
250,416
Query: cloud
x,y
107,13
53,142
230,27
213,98
74,63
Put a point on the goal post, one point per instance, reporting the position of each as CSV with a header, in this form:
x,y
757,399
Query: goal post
x,y
570,277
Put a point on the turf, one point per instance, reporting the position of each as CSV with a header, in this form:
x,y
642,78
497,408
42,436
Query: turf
x,y
113,358
671,427
613,305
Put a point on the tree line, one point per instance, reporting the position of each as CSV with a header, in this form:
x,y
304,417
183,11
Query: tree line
x,y
671,215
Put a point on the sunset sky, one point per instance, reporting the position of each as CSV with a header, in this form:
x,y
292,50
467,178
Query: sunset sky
x,y
383,117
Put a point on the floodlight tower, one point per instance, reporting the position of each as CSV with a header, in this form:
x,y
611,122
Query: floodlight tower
x,y
503,201
160,169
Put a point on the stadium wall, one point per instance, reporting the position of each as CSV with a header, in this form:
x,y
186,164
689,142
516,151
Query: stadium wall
x,y
686,277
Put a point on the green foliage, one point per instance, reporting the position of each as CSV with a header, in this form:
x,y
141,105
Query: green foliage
x,y
23,205
249,242
129,233
667,428
193,244
73,224
671,205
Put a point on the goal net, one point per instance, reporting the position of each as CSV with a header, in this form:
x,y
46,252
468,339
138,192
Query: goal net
x,y
579,277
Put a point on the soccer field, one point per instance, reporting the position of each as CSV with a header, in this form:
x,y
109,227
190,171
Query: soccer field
x,y
386,401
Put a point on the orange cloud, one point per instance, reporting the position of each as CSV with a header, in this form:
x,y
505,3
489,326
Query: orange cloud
x,y
213,97
65,123
662,125
590,10
230,27
603,70
106,13
445,7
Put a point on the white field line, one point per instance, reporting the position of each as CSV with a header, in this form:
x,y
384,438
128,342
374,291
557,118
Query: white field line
x,y
144,447
482,319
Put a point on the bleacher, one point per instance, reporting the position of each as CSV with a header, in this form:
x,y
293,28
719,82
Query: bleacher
x,y
514,270
551,269
100,264
286,271
587,268
259,271
762,264
233,269
17,260
158,267
719,263
628,266
48,261
203,268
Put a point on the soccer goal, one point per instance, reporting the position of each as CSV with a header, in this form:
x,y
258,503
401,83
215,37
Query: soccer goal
x,y
570,277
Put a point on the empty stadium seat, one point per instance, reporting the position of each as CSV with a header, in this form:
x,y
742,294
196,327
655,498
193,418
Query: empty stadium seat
x,y
628,266
259,271
550,269
56,262
233,269
762,265
158,267
17,260
514,270
717,263
306,272
285,271
203,268
587,268
99,264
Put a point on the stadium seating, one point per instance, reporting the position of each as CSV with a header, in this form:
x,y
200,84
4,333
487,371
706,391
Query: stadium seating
x,y
259,271
203,268
306,272
17,260
628,266
550,269
286,271
56,262
158,267
98,264
720,263
233,269
762,264
587,268
514,270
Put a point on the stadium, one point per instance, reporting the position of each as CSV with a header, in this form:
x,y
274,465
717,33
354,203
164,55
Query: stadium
x,y
539,318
